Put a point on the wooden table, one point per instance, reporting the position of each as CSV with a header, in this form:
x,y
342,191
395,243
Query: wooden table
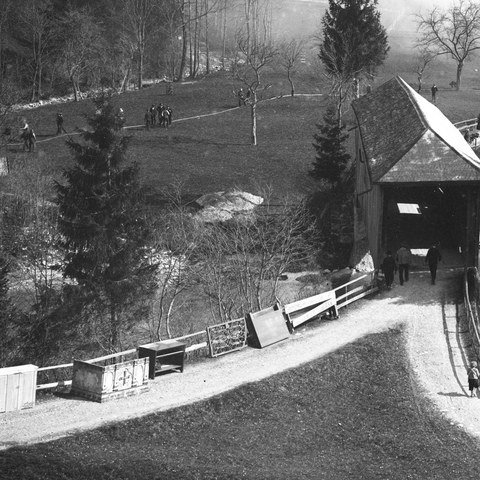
x,y
164,356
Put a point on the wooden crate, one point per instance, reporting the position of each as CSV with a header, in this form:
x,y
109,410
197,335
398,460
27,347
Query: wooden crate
x,y
107,379
17,387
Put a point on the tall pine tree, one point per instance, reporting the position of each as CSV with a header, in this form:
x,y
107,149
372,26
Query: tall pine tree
x,y
331,157
354,44
104,224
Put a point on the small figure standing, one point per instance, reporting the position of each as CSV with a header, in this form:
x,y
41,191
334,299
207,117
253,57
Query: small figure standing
x,y
153,114
473,375
388,268
241,97
146,119
432,258
28,136
169,114
478,122
403,259
60,128
434,93
467,136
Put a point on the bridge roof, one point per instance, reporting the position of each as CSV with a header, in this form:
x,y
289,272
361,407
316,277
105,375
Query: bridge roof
x,y
407,139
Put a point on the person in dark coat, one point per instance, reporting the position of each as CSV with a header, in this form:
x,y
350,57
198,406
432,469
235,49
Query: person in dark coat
x,y
169,114
241,97
60,128
388,268
434,93
403,259
153,115
432,258
147,119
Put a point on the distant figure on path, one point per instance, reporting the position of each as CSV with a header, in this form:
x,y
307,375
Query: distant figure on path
x,y
147,119
60,128
434,93
388,268
432,258
478,122
241,97
473,375
404,259
28,136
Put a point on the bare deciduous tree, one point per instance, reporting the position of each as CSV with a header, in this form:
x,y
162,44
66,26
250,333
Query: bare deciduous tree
x,y
290,53
454,32
139,20
244,258
256,50
82,45
423,59
38,21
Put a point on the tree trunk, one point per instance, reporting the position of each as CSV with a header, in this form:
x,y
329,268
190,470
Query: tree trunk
x,y
34,84
254,117
183,61
224,33
113,327
207,50
74,86
40,73
292,86
140,66
459,74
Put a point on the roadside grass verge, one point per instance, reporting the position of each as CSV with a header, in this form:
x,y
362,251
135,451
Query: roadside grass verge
x,y
353,414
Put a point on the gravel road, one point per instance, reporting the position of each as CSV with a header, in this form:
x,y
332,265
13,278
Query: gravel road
x,y
434,324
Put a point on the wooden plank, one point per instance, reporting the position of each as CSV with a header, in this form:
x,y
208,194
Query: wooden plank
x,y
61,383
350,293
65,365
358,297
313,313
308,302
350,282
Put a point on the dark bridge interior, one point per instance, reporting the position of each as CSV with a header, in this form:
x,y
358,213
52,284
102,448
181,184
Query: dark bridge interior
x,y
423,215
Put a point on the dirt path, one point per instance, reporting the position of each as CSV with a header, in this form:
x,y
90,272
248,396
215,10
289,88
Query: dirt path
x,y
434,340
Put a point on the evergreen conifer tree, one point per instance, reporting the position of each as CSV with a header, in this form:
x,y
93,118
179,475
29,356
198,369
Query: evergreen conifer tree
x,y
8,314
103,222
331,156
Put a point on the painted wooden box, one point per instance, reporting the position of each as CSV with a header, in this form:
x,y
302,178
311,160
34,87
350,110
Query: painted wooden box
x,y
103,379
17,387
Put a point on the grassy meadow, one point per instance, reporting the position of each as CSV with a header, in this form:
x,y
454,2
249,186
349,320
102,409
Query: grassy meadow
x,y
354,414
204,154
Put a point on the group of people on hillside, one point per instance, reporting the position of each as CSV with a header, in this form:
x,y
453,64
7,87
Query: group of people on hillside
x,y
160,115
402,260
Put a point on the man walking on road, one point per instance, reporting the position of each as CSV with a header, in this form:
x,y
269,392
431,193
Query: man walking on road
x,y
388,269
403,259
432,258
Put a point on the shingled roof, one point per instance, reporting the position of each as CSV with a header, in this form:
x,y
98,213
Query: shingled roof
x,y
407,139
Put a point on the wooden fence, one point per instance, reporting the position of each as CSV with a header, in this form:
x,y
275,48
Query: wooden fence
x,y
198,343
471,299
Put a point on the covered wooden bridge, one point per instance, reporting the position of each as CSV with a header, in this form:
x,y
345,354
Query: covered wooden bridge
x,y
417,179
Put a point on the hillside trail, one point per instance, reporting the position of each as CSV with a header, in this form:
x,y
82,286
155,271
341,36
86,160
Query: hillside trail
x,y
435,338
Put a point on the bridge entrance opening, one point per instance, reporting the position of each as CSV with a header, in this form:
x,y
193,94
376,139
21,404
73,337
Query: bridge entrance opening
x,y
422,215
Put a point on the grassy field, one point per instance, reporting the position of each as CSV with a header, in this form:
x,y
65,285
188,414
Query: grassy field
x,y
204,154
353,414
214,152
